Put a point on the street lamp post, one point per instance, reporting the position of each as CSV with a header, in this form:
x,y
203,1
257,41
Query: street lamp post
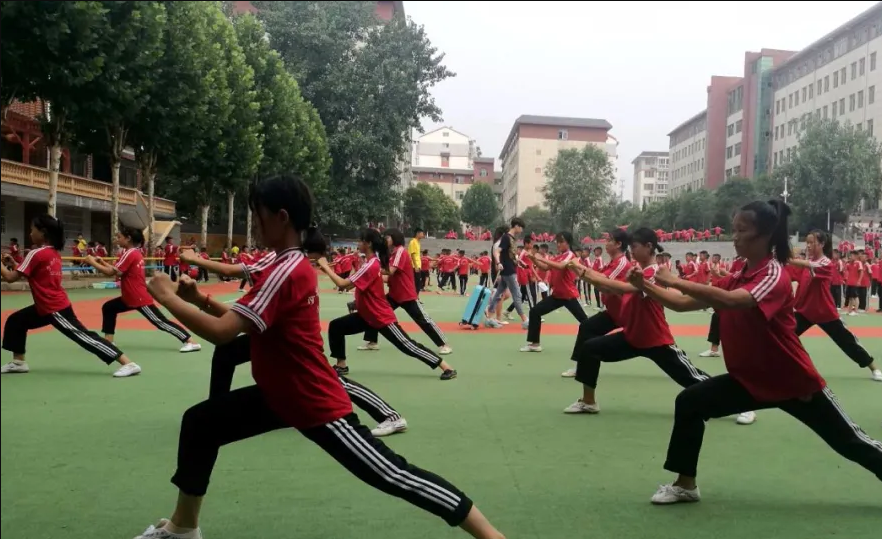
x,y
786,193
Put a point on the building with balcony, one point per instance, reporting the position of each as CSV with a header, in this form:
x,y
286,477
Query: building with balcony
x,y
84,186
532,142
838,77
650,178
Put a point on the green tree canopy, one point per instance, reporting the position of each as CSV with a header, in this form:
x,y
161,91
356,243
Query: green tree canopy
x,y
426,206
479,206
370,83
538,219
578,184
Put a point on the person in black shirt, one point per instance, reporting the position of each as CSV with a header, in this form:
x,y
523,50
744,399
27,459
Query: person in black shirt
x,y
504,259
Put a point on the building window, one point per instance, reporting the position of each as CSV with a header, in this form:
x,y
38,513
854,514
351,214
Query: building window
x,y
562,134
776,158
870,127
872,61
825,112
860,126
842,75
851,103
790,101
820,86
871,95
738,126
537,170
842,106
446,145
737,148
728,173
862,66
730,130
736,171
827,83
445,161
804,90
729,152
796,98
538,152
445,134
860,99
834,110
836,79
789,128
853,70
777,107
811,90
483,173
460,195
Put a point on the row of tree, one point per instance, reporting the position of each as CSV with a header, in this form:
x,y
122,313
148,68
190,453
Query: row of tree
x,y
834,168
209,101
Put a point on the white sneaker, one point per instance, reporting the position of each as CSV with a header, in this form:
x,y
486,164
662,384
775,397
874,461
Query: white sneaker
x,y
671,494
369,347
509,315
389,427
445,350
531,348
159,532
130,369
190,347
877,374
580,407
746,418
15,367
709,353
502,322
569,373
852,313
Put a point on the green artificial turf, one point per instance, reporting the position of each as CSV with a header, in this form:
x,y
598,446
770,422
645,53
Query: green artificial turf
x,y
88,456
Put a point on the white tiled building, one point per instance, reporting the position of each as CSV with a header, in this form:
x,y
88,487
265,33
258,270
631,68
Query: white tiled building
x,y
838,77
650,177
688,150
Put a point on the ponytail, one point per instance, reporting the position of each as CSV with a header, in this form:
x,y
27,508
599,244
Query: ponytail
x,y
771,219
824,239
52,230
313,241
378,246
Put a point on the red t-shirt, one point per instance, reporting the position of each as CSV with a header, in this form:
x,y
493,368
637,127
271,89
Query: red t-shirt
x,y
484,264
703,273
370,297
521,271
287,351
772,364
563,282
737,265
813,298
838,269
42,267
717,231
15,252
447,263
597,264
853,273
402,287
425,263
692,271
133,285
865,277
463,263
171,255
255,269
617,270
643,318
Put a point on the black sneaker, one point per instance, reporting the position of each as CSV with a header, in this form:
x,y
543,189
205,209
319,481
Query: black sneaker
x,y
449,374
343,371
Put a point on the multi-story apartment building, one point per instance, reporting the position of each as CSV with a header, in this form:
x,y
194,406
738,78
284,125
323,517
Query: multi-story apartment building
x,y
532,142
734,123
688,148
650,177
449,159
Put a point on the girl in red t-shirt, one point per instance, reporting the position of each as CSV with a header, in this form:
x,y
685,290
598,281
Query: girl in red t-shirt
x,y
403,293
129,268
42,268
295,387
564,293
372,309
814,302
606,320
770,369
645,331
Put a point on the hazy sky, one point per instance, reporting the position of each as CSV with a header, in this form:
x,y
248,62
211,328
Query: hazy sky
x,y
643,66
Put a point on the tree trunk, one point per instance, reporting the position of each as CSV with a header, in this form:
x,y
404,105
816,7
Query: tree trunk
x,y
203,210
54,166
231,197
114,198
151,206
248,227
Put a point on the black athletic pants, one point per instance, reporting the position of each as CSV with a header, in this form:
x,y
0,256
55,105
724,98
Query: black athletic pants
x,y
352,324
416,312
485,280
549,305
584,288
203,275
844,339
172,272
836,292
713,333
614,348
463,283
244,413
419,280
863,295
111,309
448,278
238,351
344,275
596,326
597,302
15,332
722,396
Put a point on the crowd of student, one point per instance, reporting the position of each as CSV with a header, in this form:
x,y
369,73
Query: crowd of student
x,y
276,327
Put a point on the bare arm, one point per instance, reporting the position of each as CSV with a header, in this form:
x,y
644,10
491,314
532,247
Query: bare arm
x,y
680,303
10,276
219,329
338,281
218,268
715,297
102,266
605,284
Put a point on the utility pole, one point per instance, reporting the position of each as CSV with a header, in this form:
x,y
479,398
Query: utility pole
x,y
786,193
